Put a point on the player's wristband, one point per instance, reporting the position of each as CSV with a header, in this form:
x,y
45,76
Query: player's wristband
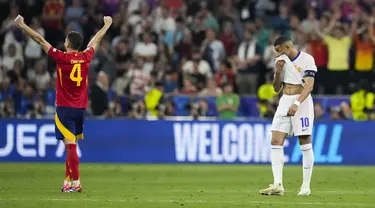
x,y
297,103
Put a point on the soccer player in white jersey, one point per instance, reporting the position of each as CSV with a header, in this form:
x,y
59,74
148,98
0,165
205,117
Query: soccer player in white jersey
x,y
295,71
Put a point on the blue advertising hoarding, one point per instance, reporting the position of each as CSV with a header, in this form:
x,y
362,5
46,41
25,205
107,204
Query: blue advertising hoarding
x,y
140,141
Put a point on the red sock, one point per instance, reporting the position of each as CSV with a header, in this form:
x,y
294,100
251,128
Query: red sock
x,y
73,161
67,170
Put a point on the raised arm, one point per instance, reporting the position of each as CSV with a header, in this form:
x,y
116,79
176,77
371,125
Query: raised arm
x,y
331,25
19,21
371,29
354,26
278,79
100,34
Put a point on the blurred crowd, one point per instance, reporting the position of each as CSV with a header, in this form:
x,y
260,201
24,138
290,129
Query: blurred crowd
x,y
158,49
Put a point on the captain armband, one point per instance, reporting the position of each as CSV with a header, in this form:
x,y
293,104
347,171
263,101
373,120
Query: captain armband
x,y
310,73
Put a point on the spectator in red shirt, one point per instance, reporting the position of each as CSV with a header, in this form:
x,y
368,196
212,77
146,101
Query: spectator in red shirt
x,y
53,11
226,74
318,49
188,88
229,39
184,47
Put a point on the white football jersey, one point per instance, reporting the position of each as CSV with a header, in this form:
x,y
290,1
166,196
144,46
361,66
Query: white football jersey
x,y
298,68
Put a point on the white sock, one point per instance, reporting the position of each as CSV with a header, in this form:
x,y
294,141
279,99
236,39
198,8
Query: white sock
x,y
307,163
277,160
76,183
66,182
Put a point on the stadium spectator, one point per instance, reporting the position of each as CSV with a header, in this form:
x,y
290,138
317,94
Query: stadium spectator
x,y
280,22
7,23
269,54
188,88
338,44
162,41
318,111
185,46
7,90
308,24
197,67
262,33
362,101
162,60
229,40
116,108
334,113
104,60
154,98
123,55
266,94
271,108
228,103
208,18
52,20
17,73
226,73
99,95
39,76
346,111
139,110
33,51
318,49
147,50
211,89
138,78
200,109
92,19
124,35
247,61
74,12
12,56
111,7
7,108
213,50
166,22
170,82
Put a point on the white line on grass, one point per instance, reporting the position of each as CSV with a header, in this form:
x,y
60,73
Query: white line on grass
x,y
322,192
188,201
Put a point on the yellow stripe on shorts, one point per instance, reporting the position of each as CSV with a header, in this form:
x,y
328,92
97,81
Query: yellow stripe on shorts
x,y
65,132
79,136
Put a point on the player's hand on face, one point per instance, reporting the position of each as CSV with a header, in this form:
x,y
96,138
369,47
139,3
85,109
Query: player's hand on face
x,y
107,21
19,21
292,110
280,65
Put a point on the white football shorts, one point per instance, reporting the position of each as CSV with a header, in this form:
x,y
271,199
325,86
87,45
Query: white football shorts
x,y
299,124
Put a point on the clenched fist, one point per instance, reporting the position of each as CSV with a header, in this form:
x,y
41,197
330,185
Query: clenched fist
x,y
107,21
19,21
280,66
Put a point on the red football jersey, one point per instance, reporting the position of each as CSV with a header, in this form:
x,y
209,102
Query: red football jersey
x,y
72,77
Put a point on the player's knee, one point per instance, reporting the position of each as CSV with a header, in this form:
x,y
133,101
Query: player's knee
x,y
305,139
277,141
278,138
68,141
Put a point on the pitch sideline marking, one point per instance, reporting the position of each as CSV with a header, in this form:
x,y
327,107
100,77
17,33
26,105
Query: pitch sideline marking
x,y
325,192
186,201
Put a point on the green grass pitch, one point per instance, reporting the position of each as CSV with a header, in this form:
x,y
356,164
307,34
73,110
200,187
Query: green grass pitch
x,y
168,186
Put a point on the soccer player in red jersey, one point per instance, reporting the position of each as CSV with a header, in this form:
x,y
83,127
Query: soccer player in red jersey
x,y
71,92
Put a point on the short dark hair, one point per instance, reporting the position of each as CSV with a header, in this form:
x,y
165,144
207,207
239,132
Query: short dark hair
x,y
75,39
281,40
